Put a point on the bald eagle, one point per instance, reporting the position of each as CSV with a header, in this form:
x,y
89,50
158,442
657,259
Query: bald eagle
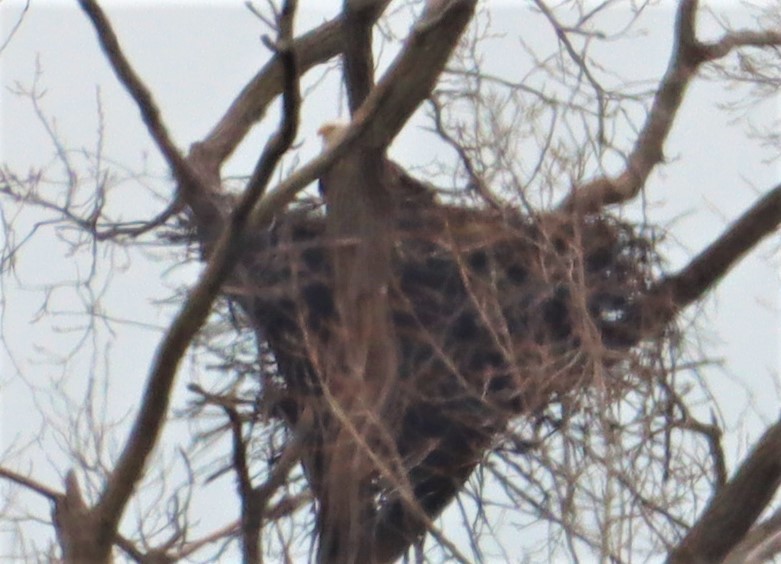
x,y
406,190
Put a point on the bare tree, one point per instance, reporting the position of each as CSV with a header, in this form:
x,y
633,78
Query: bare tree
x,y
394,347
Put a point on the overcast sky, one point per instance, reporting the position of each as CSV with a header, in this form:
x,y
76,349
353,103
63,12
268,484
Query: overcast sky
x,y
195,59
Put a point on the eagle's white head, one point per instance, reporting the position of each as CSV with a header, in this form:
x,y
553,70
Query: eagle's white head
x,y
331,132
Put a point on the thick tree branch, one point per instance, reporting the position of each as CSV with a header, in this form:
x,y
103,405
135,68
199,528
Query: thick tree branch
x,y
412,76
735,508
671,294
358,57
249,107
714,262
761,544
360,365
391,103
687,56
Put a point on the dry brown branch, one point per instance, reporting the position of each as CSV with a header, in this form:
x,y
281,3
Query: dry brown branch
x,y
687,56
734,509
760,544
30,484
707,268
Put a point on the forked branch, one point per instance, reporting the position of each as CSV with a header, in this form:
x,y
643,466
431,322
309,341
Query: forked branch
x,y
648,152
141,95
390,104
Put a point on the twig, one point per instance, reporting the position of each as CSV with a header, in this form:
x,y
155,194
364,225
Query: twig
x,y
475,181
30,484
561,33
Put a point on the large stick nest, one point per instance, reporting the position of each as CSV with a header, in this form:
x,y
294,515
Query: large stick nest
x,y
495,316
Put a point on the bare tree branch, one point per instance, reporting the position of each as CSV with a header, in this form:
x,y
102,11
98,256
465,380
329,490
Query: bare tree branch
x,y
561,33
736,39
176,341
250,514
15,27
647,151
668,296
358,57
312,48
761,543
147,427
707,268
30,484
687,56
476,183
735,508
413,74
195,545
141,95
